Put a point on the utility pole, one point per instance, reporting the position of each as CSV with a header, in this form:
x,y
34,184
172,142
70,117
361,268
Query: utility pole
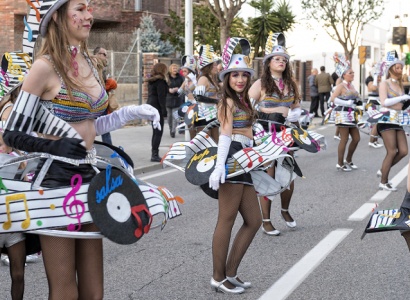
x,y
188,43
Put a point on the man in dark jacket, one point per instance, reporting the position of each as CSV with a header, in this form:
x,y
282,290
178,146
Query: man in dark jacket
x,y
324,83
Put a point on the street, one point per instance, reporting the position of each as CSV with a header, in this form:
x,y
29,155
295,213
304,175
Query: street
x,y
323,258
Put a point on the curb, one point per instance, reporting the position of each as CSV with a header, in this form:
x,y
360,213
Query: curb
x,y
146,169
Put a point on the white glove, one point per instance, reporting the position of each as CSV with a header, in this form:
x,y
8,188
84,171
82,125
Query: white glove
x,y
395,100
342,102
200,90
294,114
120,117
219,173
192,77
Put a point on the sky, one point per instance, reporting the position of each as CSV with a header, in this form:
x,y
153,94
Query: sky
x,y
314,44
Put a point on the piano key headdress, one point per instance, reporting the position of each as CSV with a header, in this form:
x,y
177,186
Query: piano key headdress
x,y
275,46
391,59
189,62
236,62
341,64
206,56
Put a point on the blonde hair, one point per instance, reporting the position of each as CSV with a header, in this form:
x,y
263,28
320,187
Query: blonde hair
x,y
171,66
56,45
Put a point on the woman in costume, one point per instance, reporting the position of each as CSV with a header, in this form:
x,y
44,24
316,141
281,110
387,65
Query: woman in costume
x,y
277,96
189,71
373,101
64,80
236,194
208,86
392,96
157,94
345,97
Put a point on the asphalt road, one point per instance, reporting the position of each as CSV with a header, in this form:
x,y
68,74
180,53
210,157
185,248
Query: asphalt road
x,y
324,258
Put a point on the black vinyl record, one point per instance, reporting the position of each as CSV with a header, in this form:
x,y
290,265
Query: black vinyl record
x,y
183,109
303,140
210,192
191,114
201,165
118,207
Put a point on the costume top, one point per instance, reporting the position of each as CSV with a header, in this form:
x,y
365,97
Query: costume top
x,y
391,93
240,118
81,107
274,100
211,91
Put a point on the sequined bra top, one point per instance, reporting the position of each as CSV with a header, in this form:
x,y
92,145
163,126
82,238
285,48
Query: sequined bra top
x,y
240,118
81,106
349,95
274,100
392,93
211,92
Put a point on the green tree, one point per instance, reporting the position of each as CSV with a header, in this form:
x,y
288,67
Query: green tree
x,y
275,18
176,32
151,38
344,19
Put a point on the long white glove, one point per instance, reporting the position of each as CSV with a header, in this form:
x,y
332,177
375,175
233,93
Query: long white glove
x,y
219,173
192,77
119,118
294,114
342,102
395,100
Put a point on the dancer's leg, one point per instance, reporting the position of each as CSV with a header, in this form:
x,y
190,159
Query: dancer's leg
x,y
17,257
354,132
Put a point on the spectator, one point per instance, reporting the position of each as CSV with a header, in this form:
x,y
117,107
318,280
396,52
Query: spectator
x,y
102,64
174,100
157,93
324,82
314,95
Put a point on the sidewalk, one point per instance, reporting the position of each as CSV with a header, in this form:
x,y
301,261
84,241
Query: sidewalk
x,y
136,141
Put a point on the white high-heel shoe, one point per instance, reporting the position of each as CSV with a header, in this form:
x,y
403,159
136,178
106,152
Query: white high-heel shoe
x,y
219,287
273,232
289,224
236,282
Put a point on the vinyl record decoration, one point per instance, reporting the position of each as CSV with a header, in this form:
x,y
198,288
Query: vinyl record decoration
x,y
209,191
191,114
183,109
201,166
118,207
381,116
304,141
389,219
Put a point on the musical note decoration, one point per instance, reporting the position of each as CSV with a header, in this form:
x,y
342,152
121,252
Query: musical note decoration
x,y
71,203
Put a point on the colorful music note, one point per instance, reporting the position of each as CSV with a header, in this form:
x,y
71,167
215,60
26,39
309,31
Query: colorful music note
x,y
135,210
26,58
277,141
29,2
2,186
29,31
165,194
15,197
250,163
76,182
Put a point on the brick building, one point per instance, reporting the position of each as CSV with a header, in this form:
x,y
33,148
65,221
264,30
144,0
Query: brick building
x,y
115,21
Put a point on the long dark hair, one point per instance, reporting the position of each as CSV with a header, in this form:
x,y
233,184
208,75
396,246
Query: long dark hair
x,y
268,83
207,72
228,92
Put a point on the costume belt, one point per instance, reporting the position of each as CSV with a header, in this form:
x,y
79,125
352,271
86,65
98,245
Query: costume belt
x,y
242,139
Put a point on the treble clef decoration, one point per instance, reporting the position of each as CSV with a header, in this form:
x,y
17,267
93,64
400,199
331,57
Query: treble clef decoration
x,y
75,204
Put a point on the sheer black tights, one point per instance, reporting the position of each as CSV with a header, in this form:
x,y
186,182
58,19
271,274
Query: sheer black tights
x,y
74,267
234,198
344,137
17,257
395,143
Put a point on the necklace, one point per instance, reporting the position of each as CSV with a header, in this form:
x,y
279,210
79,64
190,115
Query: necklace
x,y
280,83
393,80
347,83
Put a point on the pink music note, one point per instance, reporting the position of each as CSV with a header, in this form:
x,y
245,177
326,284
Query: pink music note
x,y
76,182
276,140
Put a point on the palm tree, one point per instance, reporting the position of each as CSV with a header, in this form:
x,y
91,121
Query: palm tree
x,y
273,18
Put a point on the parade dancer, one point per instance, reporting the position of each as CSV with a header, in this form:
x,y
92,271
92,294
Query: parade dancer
x,y
64,80
236,194
277,96
345,97
392,96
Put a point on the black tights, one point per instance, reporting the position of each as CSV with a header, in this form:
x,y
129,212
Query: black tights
x,y
395,143
17,257
74,267
344,137
234,198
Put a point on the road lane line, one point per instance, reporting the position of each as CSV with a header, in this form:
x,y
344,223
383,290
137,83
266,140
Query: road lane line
x,y
366,209
285,285
157,174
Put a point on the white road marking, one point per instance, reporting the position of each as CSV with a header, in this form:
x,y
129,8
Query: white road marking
x,y
143,178
366,209
285,285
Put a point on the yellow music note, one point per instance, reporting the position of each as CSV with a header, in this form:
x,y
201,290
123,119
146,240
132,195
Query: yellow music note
x,y
26,223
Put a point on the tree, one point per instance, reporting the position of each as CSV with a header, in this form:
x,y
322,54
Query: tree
x,y
225,15
275,18
151,38
344,19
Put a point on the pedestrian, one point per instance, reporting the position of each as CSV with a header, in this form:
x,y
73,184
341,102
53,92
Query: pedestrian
x,y
314,95
392,96
157,95
345,97
173,100
101,54
277,95
64,80
207,86
374,102
236,194
324,82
